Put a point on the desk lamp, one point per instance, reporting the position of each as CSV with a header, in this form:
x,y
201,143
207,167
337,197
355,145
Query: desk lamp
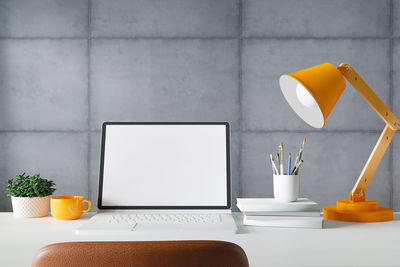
x,y
312,93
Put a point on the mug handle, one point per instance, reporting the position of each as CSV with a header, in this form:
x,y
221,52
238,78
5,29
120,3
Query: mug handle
x,y
89,205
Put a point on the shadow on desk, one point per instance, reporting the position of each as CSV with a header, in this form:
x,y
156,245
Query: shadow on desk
x,y
338,224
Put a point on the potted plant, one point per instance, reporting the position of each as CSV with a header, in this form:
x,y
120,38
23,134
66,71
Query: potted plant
x,y
30,195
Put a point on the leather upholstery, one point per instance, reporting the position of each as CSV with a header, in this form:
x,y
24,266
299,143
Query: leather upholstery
x,y
142,254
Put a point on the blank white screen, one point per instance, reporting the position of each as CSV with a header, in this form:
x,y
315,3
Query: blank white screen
x,y
165,165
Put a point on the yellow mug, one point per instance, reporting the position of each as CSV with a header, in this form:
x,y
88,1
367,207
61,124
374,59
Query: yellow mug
x,y
68,207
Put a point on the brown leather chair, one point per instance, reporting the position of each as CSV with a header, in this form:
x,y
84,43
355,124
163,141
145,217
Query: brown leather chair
x,y
142,254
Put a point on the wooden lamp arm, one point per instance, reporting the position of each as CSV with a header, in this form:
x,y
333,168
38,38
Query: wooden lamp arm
x,y
392,125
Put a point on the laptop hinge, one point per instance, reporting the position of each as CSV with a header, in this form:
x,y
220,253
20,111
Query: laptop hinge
x,y
163,211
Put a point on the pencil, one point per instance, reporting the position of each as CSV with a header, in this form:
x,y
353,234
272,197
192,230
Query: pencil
x,y
278,158
289,163
301,151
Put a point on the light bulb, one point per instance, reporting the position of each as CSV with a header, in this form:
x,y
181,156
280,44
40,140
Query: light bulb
x,y
304,96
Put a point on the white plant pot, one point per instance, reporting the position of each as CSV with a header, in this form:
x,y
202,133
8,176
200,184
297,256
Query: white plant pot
x,y
30,207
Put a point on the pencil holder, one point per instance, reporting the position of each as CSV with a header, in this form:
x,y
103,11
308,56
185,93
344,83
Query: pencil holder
x,y
286,187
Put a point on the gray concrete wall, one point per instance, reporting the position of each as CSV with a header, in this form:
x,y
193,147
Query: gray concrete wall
x,y
67,66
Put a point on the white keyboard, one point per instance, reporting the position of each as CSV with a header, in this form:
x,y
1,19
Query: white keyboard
x,y
163,218
157,221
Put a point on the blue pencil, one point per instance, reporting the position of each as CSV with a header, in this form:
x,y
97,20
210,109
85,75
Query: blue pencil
x,y
289,163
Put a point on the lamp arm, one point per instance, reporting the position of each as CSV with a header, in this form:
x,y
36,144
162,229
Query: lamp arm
x,y
357,194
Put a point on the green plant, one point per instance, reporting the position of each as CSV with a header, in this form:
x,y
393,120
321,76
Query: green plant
x,y
29,186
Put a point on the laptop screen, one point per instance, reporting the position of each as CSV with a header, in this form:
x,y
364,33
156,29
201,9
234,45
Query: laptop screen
x,y
164,166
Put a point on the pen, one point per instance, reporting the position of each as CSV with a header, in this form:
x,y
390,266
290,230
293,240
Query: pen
x,y
297,160
289,163
300,154
274,169
281,159
296,168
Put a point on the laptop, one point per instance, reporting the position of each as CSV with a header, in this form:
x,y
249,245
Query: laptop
x,y
158,176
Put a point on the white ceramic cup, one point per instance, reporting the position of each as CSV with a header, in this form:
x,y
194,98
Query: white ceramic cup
x,y
286,187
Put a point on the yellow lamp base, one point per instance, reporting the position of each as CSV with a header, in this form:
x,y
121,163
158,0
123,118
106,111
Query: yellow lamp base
x,y
364,211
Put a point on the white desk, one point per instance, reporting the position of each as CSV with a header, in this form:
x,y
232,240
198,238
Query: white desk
x,y
339,244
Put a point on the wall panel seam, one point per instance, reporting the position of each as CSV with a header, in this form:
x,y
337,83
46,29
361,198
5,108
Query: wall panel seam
x,y
240,144
391,103
198,38
89,44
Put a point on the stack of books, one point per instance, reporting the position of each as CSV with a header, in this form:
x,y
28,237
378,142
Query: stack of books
x,y
302,213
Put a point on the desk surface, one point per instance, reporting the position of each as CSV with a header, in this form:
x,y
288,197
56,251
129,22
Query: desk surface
x,y
339,244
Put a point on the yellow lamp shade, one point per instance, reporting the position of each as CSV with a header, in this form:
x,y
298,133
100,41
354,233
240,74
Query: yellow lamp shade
x,y
313,92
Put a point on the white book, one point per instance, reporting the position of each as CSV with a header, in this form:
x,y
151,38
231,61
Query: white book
x,y
284,221
270,204
284,213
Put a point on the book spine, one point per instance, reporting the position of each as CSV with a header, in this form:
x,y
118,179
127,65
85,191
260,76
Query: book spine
x,y
316,224
284,213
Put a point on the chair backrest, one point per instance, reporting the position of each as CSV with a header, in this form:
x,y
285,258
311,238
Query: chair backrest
x,y
142,254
